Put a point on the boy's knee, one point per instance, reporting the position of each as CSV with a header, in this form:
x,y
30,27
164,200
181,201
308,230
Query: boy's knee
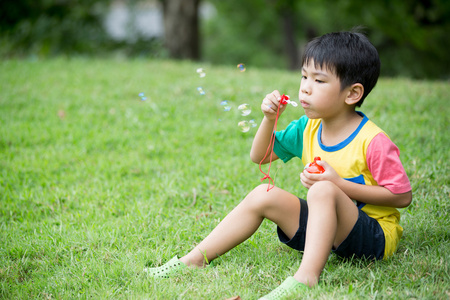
x,y
322,191
261,191
259,197
326,186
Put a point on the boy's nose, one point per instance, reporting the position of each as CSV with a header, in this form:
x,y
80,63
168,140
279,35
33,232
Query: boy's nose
x,y
305,88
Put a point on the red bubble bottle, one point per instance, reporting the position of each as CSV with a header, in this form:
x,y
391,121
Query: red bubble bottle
x,y
314,168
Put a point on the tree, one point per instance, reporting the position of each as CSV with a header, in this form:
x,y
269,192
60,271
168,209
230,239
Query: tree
x,y
51,27
181,28
410,35
286,11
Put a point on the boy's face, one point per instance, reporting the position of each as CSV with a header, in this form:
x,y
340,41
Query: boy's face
x,y
320,92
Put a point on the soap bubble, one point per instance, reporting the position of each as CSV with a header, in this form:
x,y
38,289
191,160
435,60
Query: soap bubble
x,y
225,105
200,90
241,67
244,126
252,123
142,95
244,109
201,72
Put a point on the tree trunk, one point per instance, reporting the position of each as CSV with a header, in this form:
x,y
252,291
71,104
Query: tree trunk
x,y
181,28
290,41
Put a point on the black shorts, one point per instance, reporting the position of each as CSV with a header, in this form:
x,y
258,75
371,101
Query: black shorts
x,y
365,240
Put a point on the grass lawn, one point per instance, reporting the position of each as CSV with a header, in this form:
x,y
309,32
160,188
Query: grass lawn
x,y
96,184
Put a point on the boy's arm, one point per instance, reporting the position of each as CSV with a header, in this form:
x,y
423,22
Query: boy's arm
x,y
376,195
261,142
269,107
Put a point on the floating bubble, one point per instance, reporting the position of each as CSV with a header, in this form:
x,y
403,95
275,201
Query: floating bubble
x,y
252,123
244,126
200,90
142,95
241,67
225,105
244,109
201,72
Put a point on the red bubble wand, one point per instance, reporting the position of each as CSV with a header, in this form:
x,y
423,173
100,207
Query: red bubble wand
x,y
284,99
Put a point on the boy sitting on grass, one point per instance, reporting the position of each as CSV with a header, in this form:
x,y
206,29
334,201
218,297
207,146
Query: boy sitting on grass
x,y
350,208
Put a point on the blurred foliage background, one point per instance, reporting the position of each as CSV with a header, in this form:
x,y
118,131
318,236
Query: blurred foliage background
x,y
411,35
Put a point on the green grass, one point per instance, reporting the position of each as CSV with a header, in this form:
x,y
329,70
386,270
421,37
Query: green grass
x,y
96,184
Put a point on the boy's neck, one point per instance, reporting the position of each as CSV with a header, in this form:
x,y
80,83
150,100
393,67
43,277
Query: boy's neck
x,y
337,129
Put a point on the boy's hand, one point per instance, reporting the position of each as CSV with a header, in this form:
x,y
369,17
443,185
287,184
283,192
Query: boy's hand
x,y
330,174
270,103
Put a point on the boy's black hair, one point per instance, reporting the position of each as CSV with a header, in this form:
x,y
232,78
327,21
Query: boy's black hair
x,y
349,55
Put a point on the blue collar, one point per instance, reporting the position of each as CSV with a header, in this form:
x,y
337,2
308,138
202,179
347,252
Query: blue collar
x,y
344,142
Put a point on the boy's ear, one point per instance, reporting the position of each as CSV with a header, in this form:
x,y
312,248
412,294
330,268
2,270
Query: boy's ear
x,y
355,93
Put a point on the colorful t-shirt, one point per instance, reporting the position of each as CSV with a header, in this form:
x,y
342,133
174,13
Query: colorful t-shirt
x,y
367,157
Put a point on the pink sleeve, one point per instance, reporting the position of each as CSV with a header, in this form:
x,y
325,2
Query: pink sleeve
x,y
384,163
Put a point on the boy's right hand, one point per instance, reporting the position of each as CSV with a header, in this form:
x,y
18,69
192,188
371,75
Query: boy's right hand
x,y
270,103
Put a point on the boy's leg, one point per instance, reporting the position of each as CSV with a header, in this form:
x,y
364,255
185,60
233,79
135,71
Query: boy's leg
x,y
277,205
331,217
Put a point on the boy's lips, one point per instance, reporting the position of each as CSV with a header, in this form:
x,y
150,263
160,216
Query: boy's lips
x,y
304,103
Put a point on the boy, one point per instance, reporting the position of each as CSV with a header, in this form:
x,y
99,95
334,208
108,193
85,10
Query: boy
x,y
362,167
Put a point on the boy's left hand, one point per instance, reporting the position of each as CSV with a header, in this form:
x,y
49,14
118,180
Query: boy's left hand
x,y
308,179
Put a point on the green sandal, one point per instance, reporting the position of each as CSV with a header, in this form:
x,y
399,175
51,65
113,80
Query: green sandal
x,y
170,268
287,290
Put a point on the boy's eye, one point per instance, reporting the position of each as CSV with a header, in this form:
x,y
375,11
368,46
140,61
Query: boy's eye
x,y
319,81
303,77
